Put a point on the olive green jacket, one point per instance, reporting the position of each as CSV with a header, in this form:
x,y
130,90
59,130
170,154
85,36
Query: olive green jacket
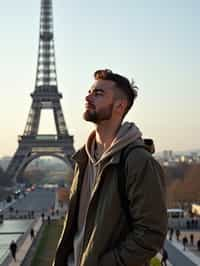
x,y
108,241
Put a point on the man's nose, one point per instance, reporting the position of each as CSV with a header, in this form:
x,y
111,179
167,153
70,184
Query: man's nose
x,y
88,97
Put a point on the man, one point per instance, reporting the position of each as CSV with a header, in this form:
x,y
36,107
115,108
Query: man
x,y
32,233
13,249
96,231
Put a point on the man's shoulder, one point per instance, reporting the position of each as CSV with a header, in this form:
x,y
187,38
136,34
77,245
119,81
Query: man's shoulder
x,y
137,150
140,162
136,155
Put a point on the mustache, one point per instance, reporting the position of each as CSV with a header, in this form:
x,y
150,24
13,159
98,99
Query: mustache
x,y
89,105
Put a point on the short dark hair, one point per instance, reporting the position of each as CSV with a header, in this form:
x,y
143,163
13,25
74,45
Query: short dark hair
x,y
129,89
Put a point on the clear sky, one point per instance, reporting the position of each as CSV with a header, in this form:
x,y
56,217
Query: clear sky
x,y
155,42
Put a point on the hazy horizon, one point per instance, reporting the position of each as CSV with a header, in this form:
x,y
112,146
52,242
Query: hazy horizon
x,y
158,45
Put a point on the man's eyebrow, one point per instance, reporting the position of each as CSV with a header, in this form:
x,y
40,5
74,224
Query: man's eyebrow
x,y
94,89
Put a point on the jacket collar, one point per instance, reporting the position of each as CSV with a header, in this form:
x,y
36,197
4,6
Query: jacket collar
x,y
81,157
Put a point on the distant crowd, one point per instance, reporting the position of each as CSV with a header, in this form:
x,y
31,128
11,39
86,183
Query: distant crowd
x,y
187,239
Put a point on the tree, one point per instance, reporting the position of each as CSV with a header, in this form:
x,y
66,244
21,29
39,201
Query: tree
x,y
33,176
186,188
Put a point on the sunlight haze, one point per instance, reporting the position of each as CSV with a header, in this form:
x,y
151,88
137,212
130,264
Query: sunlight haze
x,y
158,45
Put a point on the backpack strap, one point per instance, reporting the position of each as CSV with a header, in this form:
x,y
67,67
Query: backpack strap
x,y
122,180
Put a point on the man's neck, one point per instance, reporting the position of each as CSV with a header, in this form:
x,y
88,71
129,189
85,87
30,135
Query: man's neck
x,y
105,133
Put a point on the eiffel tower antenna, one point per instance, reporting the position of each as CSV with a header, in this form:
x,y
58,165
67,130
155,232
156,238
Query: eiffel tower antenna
x,y
45,96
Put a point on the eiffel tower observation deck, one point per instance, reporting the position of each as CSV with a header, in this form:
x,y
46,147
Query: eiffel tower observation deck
x,y
45,96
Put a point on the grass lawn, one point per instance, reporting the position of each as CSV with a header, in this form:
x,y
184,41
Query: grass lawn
x,y
47,246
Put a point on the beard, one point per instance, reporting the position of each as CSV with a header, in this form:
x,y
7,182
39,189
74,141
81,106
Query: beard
x,y
102,114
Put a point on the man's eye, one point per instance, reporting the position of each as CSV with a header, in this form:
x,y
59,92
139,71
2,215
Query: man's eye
x,y
98,93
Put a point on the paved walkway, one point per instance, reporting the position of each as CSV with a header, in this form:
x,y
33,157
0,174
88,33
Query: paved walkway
x,y
190,253
159,256
24,248
176,257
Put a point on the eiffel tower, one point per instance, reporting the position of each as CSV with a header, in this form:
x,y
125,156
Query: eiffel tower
x,y
45,96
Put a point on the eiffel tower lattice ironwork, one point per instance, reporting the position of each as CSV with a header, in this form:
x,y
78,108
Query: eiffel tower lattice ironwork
x,y
45,96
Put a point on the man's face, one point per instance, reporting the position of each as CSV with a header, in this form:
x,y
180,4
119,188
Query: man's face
x,y
99,101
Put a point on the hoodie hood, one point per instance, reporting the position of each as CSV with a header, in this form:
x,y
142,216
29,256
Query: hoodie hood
x,y
127,133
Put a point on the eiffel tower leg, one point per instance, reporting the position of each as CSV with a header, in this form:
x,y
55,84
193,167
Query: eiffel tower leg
x,y
17,163
59,119
32,124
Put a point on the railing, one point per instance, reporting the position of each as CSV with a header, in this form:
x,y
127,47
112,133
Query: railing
x,y
46,137
39,137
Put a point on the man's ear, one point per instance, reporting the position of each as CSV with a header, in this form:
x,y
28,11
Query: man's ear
x,y
120,105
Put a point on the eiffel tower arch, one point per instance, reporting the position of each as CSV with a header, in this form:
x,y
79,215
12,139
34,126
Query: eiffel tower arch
x,y
45,96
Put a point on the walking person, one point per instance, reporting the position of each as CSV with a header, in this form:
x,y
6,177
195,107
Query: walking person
x,y
198,245
192,239
42,216
196,223
188,224
108,224
171,232
178,234
32,233
13,249
164,257
48,219
185,242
